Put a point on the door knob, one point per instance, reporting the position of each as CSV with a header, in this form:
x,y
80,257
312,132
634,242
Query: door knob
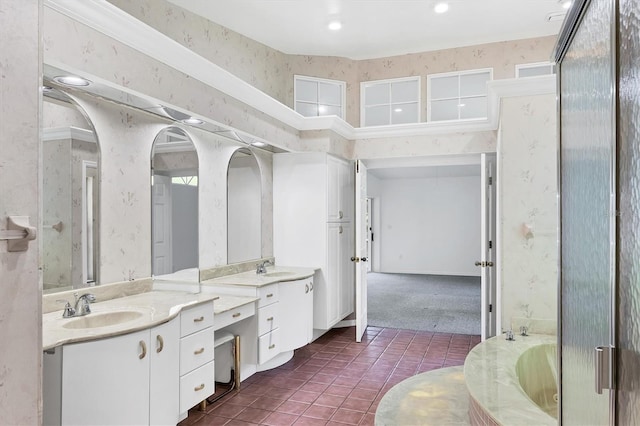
x,y
479,263
355,259
364,259
489,263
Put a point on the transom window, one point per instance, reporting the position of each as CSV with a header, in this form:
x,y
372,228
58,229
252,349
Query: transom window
x,y
534,69
314,97
458,95
395,101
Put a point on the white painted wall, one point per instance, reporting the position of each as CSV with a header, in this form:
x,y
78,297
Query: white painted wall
x,y
428,225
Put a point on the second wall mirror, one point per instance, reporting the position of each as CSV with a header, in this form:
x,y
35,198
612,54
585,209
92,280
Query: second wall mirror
x,y
174,211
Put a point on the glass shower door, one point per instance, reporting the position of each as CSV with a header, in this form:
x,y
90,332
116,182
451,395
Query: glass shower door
x,y
587,158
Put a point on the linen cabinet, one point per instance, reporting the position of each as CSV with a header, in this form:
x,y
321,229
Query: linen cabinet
x,y
313,214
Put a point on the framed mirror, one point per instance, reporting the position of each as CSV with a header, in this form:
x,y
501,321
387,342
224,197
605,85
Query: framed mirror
x,y
70,226
244,207
174,201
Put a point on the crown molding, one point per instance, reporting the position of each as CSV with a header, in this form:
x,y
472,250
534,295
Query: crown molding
x,y
58,133
113,22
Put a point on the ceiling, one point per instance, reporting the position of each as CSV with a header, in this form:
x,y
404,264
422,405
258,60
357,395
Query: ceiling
x,y
379,28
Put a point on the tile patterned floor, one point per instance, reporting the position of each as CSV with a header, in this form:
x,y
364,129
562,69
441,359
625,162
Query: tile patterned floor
x,y
334,380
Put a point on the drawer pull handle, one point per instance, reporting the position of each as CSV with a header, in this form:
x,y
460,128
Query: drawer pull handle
x,y
270,295
199,388
272,346
143,346
236,315
198,351
160,341
270,319
200,319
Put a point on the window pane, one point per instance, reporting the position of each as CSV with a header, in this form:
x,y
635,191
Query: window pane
x,y
376,94
329,94
330,110
306,91
405,113
474,84
535,71
405,91
473,107
444,87
376,115
444,110
308,110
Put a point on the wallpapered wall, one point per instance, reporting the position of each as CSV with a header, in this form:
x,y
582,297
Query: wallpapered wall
x,y
272,71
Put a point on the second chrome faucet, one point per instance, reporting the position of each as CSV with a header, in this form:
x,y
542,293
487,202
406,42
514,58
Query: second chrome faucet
x,y
82,306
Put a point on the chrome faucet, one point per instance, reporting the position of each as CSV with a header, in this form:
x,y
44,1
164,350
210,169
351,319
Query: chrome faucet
x,y
510,335
261,268
82,304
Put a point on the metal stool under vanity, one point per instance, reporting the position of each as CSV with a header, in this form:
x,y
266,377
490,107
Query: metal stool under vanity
x,y
221,338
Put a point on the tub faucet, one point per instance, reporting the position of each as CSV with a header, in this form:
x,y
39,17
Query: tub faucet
x,y
261,268
510,335
82,304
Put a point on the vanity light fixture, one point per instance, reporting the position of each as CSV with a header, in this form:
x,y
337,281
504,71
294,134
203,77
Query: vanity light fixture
x,y
71,80
192,120
441,7
335,25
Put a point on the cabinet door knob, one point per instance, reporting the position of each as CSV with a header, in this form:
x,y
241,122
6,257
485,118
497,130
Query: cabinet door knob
x,y
143,347
160,341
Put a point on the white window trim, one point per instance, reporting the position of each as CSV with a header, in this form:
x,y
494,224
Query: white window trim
x,y
533,65
451,74
342,84
364,84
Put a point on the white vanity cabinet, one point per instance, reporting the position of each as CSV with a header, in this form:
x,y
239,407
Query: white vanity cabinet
x,y
313,212
128,379
296,326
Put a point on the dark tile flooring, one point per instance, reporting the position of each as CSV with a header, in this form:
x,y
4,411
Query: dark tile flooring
x,y
334,380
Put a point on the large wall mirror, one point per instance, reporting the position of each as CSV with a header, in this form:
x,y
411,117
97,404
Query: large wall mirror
x,y
244,207
70,195
174,199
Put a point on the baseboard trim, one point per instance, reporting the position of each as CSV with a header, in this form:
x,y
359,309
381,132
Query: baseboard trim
x,y
345,323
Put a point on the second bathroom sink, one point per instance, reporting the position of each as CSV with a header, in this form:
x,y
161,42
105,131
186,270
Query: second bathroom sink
x,y
104,319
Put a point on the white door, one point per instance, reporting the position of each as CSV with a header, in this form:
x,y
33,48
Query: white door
x,y
488,258
361,232
161,225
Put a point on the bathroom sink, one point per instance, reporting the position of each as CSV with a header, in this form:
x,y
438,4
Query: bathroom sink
x,y
104,319
278,274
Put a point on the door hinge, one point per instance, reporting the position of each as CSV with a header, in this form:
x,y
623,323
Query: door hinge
x,y
490,307
490,244
490,180
604,368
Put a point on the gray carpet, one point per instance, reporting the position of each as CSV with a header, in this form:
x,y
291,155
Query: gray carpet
x,y
438,303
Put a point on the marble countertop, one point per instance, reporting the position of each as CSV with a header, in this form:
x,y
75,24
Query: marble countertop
x,y
490,374
156,307
274,274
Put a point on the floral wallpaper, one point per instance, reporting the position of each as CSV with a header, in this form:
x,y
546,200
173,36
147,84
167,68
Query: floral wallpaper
x,y
528,203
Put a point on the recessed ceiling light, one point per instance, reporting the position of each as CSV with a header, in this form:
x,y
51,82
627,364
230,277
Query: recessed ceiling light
x,y
258,143
71,80
441,7
566,4
335,25
397,110
192,120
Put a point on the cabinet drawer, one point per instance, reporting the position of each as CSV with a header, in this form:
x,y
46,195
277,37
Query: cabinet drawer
x,y
268,346
267,295
268,318
196,350
196,319
234,315
196,386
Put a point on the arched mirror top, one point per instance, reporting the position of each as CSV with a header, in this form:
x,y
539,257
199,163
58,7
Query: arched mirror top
x,y
244,207
174,213
70,195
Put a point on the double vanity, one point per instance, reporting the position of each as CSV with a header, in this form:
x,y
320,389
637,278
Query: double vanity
x,y
148,358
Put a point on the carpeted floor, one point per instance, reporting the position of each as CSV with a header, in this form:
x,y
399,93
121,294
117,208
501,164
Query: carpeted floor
x,y
436,303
